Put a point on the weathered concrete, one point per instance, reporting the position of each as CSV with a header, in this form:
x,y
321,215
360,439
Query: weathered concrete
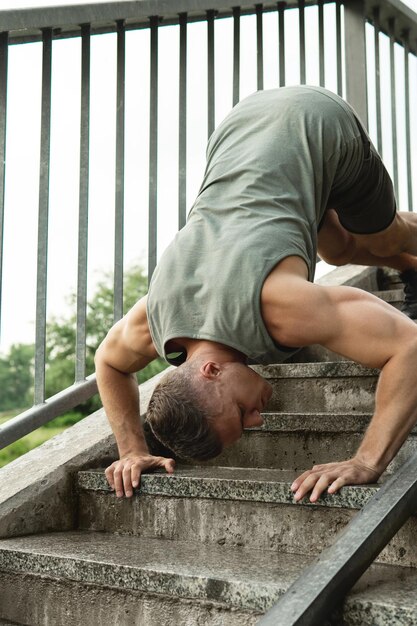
x,y
296,441
175,568
55,602
232,507
338,387
245,579
36,490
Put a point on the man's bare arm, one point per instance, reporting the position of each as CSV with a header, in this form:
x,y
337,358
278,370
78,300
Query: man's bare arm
x,y
359,326
127,348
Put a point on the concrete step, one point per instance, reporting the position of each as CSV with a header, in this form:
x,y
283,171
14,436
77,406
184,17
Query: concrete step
x,y
296,441
248,507
98,573
338,387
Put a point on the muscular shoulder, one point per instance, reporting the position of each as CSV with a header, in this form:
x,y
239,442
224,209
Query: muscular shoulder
x,y
128,345
284,302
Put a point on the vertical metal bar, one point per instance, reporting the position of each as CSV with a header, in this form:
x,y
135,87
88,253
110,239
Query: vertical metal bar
x,y
43,218
322,69
120,166
301,17
210,73
391,28
281,37
182,125
236,55
355,54
259,47
4,48
407,118
377,81
81,332
153,147
339,48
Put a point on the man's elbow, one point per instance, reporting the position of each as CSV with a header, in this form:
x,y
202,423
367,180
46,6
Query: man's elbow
x,y
100,354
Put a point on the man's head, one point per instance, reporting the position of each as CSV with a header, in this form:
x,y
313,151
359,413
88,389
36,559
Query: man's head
x,y
203,405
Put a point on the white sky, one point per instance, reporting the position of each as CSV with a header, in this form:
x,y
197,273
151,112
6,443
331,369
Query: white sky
x,y
22,164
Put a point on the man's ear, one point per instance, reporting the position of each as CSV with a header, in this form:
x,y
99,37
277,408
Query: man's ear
x,y
210,369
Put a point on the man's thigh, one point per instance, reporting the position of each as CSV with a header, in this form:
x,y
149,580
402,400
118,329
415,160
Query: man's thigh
x,y
368,206
335,244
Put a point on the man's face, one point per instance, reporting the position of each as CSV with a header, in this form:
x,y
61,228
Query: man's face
x,y
242,396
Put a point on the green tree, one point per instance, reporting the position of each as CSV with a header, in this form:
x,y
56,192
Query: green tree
x,y
61,334
16,377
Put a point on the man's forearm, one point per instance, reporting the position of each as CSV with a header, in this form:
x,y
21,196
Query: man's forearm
x,y
395,411
120,396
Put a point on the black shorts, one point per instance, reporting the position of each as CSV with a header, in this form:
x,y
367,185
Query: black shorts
x,y
368,206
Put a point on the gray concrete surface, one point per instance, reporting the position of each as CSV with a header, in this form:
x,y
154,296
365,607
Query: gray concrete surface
x,y
232,507
184,570
36,490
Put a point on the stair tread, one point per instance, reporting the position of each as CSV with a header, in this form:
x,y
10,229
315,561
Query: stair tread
x,y
323,422
319,369
313,422
251,579
230,483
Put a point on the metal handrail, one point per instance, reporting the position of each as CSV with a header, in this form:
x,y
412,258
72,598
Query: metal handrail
x,y
27,24
323,584
41,414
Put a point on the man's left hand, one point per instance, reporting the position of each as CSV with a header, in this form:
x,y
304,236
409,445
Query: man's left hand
x,y
331,477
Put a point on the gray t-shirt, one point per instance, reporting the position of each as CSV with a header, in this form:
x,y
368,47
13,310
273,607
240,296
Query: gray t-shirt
x,y
271,165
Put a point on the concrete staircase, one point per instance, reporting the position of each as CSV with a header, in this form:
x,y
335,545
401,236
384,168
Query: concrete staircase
x,y
217,544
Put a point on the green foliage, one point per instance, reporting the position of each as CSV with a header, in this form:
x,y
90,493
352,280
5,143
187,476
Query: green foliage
x,y
61,335
64,421
16,373
16,368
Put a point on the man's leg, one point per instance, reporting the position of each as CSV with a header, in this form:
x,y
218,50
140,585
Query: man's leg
x,y
338,247
400,237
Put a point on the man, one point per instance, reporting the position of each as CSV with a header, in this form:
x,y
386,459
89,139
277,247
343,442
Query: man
x,y
289,172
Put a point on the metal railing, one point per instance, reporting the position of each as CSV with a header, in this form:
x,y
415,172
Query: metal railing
x,y
323,585
354,33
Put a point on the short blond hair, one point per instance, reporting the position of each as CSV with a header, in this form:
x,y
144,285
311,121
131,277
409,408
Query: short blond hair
x,y
179,418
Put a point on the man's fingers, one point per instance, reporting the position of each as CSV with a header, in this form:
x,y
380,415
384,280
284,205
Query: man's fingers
x,y
306,486
169,465
124,475
118,481
127,480
296,484
336,485
321,485
109,475
135,475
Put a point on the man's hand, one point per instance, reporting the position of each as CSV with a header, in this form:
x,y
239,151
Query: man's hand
x,y
332,476
124,474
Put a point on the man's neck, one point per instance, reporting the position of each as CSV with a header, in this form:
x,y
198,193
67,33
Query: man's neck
x,y
211,350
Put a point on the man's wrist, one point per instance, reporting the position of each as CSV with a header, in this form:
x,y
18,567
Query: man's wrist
x,y
370,463
136,451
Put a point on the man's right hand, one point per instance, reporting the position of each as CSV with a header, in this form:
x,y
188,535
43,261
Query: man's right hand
x,y
123,475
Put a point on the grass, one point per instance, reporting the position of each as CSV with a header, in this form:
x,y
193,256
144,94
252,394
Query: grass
x,y
37,437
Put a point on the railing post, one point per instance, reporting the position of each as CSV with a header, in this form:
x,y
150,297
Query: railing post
x,y
4,50
43,219
355,55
